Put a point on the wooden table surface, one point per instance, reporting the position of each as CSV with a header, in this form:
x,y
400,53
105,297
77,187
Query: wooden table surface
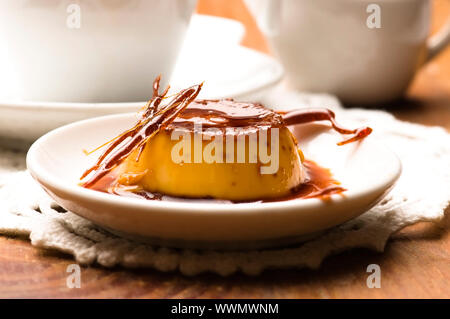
x,y
415,264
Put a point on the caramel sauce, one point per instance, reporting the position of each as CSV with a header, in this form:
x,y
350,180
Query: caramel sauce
x,y
226,113
312,115
319,184
154,118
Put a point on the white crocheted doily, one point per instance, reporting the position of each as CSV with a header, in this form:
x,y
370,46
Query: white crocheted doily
x,y
421,194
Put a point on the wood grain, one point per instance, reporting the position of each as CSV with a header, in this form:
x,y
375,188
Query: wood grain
x,y
416,263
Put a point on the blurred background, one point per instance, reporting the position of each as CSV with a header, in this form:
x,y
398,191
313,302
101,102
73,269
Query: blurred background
x,y
428,98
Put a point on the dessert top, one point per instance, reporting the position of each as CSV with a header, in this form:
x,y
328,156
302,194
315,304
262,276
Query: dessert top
x,y
226,113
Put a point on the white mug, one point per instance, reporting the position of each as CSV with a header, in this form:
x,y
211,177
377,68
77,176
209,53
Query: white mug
x,y
363,51
89,50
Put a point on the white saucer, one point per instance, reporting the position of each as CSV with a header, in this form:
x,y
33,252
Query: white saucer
x,y
211,53
367,169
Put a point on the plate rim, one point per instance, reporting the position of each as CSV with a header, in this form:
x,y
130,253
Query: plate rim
x,y
38,173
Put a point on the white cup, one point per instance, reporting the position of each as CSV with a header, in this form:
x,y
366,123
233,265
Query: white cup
x,y
363,51
89,50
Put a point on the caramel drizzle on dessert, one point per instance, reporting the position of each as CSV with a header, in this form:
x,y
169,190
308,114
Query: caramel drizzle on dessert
x,y
154,118
227,113
213,113
314,115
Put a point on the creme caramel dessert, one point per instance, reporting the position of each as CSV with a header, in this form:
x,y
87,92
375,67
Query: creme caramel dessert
x,y
219,149
233,174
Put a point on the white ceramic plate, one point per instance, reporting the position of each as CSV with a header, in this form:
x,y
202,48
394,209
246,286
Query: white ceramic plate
x,y
367,169
211,53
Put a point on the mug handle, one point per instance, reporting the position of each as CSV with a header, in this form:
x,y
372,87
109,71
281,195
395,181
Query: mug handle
x,y
439,41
